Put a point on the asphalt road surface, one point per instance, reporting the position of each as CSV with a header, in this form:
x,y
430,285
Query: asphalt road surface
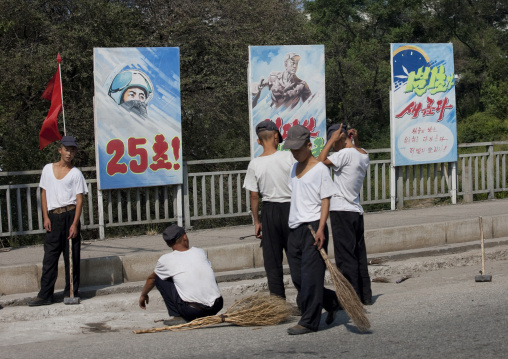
x,y
435,314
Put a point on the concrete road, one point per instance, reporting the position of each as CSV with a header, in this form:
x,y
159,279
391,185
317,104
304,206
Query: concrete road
x,y
439,313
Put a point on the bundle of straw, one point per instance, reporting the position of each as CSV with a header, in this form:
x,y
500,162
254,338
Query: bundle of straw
x,y
345,293
255,310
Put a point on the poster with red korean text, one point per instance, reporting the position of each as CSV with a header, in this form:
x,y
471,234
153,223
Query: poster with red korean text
x,y
287,86
138,132
423,111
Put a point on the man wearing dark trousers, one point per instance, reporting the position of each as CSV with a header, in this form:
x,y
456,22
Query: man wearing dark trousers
x,y
62,189
350,164
267,175
185,280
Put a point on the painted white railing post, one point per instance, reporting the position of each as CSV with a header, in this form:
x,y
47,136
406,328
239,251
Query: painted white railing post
x,y
179,205
393,187
100,210
490,170
454,183
186,208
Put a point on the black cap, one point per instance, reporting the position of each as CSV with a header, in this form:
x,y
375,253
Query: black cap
x,y
69,141
334,128
172,233
268,125
297,136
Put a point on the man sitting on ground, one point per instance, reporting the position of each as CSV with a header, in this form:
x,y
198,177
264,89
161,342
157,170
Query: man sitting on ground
x,y
185,280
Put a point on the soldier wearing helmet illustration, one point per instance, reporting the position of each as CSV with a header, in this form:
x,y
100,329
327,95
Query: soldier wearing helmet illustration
x,y
286,88
132,89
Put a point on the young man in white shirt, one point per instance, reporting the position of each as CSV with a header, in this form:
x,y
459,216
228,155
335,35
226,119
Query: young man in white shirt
x,y
62,189
312,188
350,164
185,280
267,175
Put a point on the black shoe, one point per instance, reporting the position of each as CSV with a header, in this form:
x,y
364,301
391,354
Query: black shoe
x,y
174,321
367,301
333,313
39,301
330,317
299,329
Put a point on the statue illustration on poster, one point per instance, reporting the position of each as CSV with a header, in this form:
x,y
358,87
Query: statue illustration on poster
x,y
287,86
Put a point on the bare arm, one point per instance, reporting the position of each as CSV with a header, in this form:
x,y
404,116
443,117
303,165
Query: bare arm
x,y
73,230
323,156
44,205
320,233
254,205
150,283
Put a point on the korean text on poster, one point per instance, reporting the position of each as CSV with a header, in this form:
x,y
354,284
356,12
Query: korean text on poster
x,y
423,111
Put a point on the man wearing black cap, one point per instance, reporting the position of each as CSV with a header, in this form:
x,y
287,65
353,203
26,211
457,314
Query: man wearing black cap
x,y
350,164
185,280
268,174
62,189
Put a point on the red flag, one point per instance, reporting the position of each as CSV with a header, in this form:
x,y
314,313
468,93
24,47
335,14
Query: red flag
x,y
49,131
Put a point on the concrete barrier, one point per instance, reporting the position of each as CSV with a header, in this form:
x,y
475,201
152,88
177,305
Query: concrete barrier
x,y
403,238
19,279
101,271
499,226
106,271
233,257
137,267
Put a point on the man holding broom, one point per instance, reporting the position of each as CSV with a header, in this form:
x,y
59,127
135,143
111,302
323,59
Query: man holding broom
x,y
350,164
185,280
312,188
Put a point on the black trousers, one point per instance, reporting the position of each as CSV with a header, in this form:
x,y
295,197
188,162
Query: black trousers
x,y
274,219
307,269
350,251
55,243
178,308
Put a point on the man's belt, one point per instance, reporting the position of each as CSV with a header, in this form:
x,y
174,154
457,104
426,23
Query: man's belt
x,y
61,210
200,306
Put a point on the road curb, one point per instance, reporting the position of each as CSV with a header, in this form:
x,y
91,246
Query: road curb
x,y
433,259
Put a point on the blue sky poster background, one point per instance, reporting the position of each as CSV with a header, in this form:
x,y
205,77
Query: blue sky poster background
x,y
112,121
265,59
432,55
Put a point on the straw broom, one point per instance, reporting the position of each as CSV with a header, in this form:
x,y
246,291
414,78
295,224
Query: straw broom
x,y
254,310
345,293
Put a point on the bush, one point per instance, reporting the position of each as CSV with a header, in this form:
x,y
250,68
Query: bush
x,y
482,127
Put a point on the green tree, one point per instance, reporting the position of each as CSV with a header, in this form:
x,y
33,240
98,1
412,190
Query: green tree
x,y
32,32
213,37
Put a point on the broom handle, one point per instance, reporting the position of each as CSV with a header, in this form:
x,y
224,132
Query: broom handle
x,y
482,246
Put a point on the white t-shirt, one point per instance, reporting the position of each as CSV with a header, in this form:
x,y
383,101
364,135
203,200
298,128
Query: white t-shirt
x,y
268,175
192,274
307,193
62,192
349,167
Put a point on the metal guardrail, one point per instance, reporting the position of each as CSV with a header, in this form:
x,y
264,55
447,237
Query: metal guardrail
x,y
211,189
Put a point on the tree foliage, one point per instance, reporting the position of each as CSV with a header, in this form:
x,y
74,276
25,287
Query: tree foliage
x,y
357,35
213,37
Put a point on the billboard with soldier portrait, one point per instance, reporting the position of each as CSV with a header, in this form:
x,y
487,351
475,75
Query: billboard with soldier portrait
x,y
137,117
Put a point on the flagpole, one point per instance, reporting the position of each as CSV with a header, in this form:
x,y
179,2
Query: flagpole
x,y
59,59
